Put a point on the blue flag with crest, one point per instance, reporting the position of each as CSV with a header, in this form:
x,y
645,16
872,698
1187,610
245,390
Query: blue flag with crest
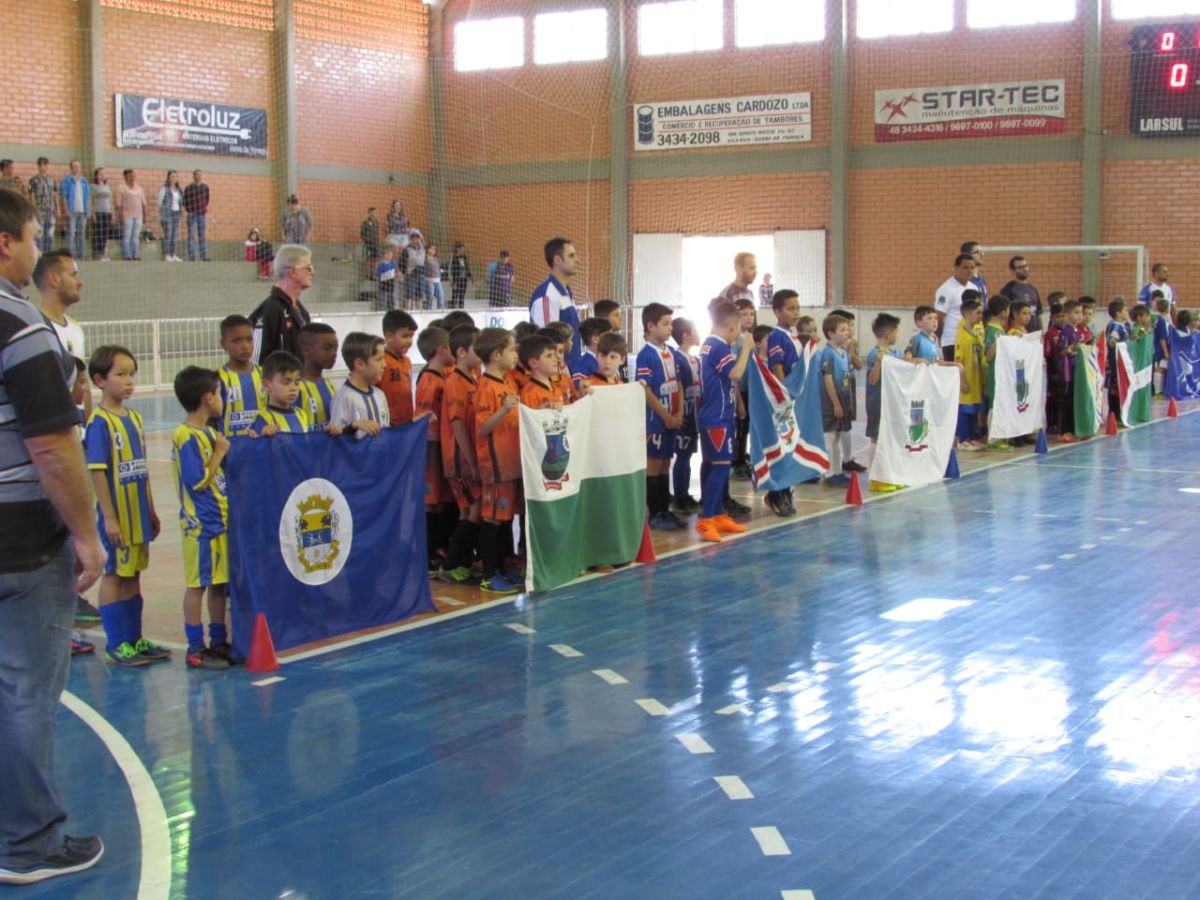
x,y
326,534
787,443
1182,381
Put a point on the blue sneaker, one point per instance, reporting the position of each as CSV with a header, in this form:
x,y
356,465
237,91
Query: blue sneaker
x,y
498,584
75,855
837,480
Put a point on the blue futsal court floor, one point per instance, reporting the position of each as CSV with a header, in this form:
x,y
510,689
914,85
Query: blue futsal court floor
x,y
987,688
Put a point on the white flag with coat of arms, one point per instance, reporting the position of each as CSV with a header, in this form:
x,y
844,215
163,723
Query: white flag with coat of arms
x,y
918,416
1019,405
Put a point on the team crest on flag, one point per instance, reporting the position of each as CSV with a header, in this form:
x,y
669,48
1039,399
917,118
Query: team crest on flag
x,y
787,445
918,428
316,530
1022,388
557,457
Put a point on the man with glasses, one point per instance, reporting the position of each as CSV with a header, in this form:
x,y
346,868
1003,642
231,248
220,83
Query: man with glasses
x,y
1019,289
278,319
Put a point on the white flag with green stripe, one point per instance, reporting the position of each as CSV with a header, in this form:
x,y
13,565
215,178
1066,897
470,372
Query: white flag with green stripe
x,y
585,484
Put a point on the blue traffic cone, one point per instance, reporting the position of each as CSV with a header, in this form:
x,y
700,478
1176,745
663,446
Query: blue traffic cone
x,y
952,465
1041,442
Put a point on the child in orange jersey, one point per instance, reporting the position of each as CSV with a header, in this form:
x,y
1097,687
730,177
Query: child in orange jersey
x,y
458,453
434,346
398,331
540,357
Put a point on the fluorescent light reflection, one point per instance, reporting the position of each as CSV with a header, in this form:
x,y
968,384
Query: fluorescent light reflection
x,y
924,609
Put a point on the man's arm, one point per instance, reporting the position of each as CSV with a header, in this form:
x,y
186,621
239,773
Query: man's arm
x,y
58,458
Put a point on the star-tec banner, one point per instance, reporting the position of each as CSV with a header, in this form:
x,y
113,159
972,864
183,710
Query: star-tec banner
x,y
918,417
190,126
723,122
970,110
326,535
585,492
1020,401
787,445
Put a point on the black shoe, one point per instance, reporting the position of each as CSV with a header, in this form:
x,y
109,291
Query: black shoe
x,y
679,523
75,855
224,651
85,612
732,507
853,466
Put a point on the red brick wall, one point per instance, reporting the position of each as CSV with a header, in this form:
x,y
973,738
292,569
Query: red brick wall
x,y
41,54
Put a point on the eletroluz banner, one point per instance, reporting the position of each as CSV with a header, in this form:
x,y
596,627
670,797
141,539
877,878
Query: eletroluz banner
x,y
164,123
970,110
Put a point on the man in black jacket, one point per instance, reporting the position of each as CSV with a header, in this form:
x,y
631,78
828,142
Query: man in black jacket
x,y
279,318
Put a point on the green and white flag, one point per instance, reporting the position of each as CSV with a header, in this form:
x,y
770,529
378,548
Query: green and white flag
x,y
585,484
1135,368
1089,392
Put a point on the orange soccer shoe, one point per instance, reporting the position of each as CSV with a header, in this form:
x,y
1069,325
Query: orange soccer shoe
x,y
726,525
708,530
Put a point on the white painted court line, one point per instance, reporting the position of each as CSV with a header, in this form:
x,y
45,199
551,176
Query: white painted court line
x,y
734,787
1108,537
694,743
1106,519
779,688
1066,556
1045,515
1044,566
449,601
653,707
263,682
770,841
155,880
731,709
1019,578
520,629
993,590
1124,529
1142,522
565,650
609,676
797,895
1087,546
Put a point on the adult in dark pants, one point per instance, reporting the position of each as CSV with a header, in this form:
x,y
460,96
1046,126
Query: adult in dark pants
x,y
279,318
49,551
460,276
1019,288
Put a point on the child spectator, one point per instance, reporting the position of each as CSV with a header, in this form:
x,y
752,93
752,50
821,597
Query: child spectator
x,y
683,332
995,323
197,456
1053,370
116,455
498,448
1116,332
657,374
611,356
1069,338
968,350
434,346
398,331
589,333
281,374
318,350
747,319
1162,338
806,331
241,380
385,277
719,374
886,329
435,298
924,344
540,357
458,453
359,407
838,398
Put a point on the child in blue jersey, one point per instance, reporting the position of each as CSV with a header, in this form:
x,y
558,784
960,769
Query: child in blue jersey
x,y
924,344
783,355
589,337
717,418
1117,331
1162,338
241,380
116,454
359,407
385,278
197,457
687,364
281,380
838,396
318,352
747,320
886,327
658,374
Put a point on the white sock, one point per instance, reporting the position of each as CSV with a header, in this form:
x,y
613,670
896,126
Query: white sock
x,y
834,444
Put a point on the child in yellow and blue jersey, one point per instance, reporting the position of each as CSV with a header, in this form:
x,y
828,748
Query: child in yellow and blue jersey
x,y
281,380
241,381
116,454
318,352
197,454
968,351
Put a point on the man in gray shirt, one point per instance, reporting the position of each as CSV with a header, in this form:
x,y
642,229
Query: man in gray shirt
x,y
1019,289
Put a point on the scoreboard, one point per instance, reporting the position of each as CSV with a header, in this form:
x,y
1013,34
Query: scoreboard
x,y
1164,80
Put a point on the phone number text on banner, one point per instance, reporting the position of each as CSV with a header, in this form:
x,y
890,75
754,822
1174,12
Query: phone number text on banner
x,y
998,109
723,122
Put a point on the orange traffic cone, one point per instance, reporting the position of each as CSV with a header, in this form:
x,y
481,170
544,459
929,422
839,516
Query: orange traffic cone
x,y
854,492
262,648
645,552
1111,428
1172,411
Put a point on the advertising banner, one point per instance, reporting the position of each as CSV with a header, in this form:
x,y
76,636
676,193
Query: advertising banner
x,y
723,122
998,109
190,126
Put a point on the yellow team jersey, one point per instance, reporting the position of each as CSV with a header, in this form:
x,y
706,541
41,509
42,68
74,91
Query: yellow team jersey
x,y
315,399
243,396
291,421
968,349
203,507
116,445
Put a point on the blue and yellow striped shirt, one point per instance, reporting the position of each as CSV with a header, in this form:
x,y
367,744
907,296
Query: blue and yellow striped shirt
x,y
290,421
116,445
243,396
203,508
315,398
